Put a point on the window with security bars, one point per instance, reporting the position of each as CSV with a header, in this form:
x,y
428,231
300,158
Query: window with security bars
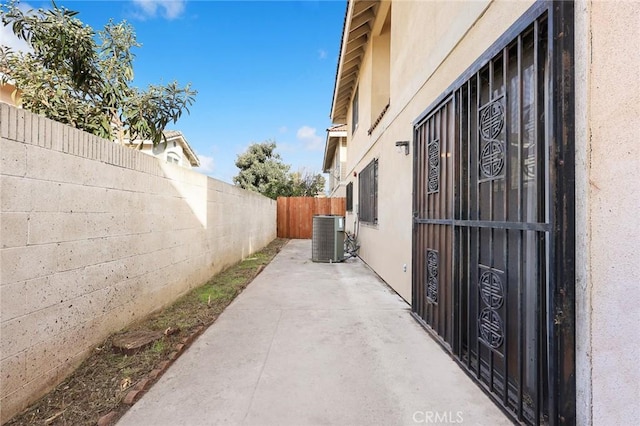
x,y
368,193
349,197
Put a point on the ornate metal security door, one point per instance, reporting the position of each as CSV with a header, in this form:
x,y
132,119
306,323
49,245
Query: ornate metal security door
x,y
485,248
433,209
502,228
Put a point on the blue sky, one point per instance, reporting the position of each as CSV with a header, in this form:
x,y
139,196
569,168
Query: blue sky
x,y
263,70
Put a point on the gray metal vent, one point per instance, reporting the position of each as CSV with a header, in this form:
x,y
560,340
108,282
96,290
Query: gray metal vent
x,y
327,244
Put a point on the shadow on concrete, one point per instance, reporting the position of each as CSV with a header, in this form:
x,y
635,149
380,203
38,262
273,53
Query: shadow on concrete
x,y
314,344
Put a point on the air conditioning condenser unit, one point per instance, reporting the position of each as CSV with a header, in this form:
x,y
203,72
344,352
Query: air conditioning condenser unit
x,y
327,244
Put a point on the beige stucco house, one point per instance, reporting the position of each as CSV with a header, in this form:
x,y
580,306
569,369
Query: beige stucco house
x,y
335,159
174,149
493,163
9,94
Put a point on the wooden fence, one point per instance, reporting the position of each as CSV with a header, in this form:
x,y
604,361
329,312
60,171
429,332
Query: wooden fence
x,y
295,214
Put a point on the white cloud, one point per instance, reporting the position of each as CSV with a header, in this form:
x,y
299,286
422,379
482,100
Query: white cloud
x,y
322,54
9,39
286,147
207,164
168,9
312,141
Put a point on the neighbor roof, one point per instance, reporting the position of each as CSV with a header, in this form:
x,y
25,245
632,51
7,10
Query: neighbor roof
x,y
334,134
179,137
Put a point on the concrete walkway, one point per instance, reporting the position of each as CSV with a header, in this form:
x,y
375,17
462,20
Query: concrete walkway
x,y
314,344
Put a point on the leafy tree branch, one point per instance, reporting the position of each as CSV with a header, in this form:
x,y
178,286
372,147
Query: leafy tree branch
x,y
262,170
70,77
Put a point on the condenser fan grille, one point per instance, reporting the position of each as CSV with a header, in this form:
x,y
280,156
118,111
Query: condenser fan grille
x,y
327,246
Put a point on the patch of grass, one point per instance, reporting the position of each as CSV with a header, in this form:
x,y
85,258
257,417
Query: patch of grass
x,y
158,346
128,371
110,375
214,293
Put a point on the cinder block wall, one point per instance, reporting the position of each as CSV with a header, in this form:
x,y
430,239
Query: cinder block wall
x,y
95,236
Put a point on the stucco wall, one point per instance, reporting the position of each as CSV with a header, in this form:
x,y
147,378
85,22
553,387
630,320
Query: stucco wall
x,y
432,43
607,205
95,236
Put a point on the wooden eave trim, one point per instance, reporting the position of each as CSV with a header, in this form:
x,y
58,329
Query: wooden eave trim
x,y
356,34
357,44
360,31
362,18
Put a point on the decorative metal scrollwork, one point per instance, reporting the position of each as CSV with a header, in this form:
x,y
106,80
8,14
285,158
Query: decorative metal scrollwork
x,y
492,120
432,276
433,177
492,294
491,289
491,328
492,159
492,154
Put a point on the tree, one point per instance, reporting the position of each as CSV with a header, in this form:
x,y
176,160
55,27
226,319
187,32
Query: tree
x,y
305,184
71,78
262,170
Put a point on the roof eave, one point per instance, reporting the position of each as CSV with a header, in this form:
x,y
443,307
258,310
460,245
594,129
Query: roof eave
x,y
333,140
329,151
343,42
356,33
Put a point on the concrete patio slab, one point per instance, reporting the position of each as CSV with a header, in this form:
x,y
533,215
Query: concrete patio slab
x,y
314,344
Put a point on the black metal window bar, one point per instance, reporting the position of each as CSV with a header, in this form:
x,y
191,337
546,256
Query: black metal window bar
x,y
368,193
485,250
349,196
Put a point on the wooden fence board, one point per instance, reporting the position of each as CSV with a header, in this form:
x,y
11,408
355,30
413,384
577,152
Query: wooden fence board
x,y
295,214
